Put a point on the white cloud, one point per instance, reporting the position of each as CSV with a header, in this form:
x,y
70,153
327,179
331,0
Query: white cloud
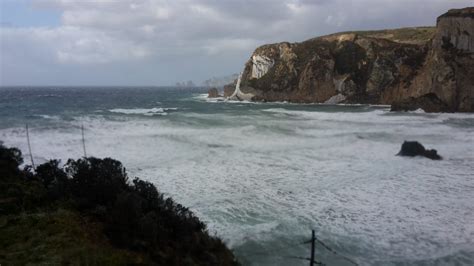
x,y
131,31
70,44
220,46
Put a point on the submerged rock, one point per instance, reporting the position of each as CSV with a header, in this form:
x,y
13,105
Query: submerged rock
x,y
414,148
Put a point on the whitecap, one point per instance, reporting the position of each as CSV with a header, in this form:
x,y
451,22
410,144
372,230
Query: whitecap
x,y
51,117
142,111
252,182
418,111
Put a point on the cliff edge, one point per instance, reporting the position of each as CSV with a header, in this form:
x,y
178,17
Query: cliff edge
x,y
425,67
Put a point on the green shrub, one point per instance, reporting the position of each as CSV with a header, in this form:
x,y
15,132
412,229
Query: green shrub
x,y
96,181
10,160
54,179
134,216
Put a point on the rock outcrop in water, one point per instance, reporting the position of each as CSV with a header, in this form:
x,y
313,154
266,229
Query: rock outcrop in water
x,y
414,148
229,89
213,93
428,68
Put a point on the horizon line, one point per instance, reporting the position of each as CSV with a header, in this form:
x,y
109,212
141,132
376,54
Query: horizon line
x,y
155,86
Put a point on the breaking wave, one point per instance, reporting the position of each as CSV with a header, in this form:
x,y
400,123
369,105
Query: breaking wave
x,y
140,111
263,175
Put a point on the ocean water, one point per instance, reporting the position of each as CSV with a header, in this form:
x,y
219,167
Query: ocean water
x,y
262,175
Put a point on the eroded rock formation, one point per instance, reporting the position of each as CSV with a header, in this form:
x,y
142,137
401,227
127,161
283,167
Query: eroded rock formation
x,y
379,67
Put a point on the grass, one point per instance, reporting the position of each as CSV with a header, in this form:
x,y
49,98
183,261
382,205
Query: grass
x,y
416,35
59,237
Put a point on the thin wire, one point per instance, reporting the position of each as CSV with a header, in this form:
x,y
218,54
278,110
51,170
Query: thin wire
x,y
296,257
274,250
335,253
303,258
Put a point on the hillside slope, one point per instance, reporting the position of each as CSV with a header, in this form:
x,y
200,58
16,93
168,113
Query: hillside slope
x,y
89,213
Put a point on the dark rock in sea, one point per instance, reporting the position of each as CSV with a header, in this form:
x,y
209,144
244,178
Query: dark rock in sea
x,y
414,148
213,93
429,103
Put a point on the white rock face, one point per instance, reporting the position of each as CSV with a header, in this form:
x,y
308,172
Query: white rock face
x,y
260,65
238,95
339,83
339,86
335,99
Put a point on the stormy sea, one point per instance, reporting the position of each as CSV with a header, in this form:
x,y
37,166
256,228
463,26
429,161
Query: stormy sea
x,y
263,175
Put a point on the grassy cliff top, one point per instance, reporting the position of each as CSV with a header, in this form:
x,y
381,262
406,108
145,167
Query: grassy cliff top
x,y
416,35
467,12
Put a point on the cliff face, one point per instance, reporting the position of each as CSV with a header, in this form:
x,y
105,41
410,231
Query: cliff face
x,y
379,67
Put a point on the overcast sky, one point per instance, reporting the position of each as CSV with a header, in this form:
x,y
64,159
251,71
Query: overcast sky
x,y
156,42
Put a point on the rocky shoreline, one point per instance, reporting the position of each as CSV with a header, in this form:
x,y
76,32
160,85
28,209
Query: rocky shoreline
x,y
409,69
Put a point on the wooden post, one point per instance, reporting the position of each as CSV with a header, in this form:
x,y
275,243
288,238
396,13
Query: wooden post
x,y
29,147
313,238
83,141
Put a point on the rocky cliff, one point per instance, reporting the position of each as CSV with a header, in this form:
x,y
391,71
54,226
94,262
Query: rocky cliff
x,y
409,68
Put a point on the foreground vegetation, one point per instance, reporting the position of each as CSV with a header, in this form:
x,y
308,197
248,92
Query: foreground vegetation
x,y
88,212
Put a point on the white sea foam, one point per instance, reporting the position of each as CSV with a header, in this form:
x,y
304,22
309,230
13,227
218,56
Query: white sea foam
x,y
201,97
204,98
51,117
215,99
52,95
263,178
140,111
419,111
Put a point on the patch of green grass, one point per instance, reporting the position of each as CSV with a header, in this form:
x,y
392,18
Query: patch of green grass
x,y
58,237
417,35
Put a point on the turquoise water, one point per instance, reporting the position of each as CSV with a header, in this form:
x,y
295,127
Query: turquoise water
x,y
263,175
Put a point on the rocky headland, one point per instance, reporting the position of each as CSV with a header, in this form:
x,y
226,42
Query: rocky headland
x,y
431,68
